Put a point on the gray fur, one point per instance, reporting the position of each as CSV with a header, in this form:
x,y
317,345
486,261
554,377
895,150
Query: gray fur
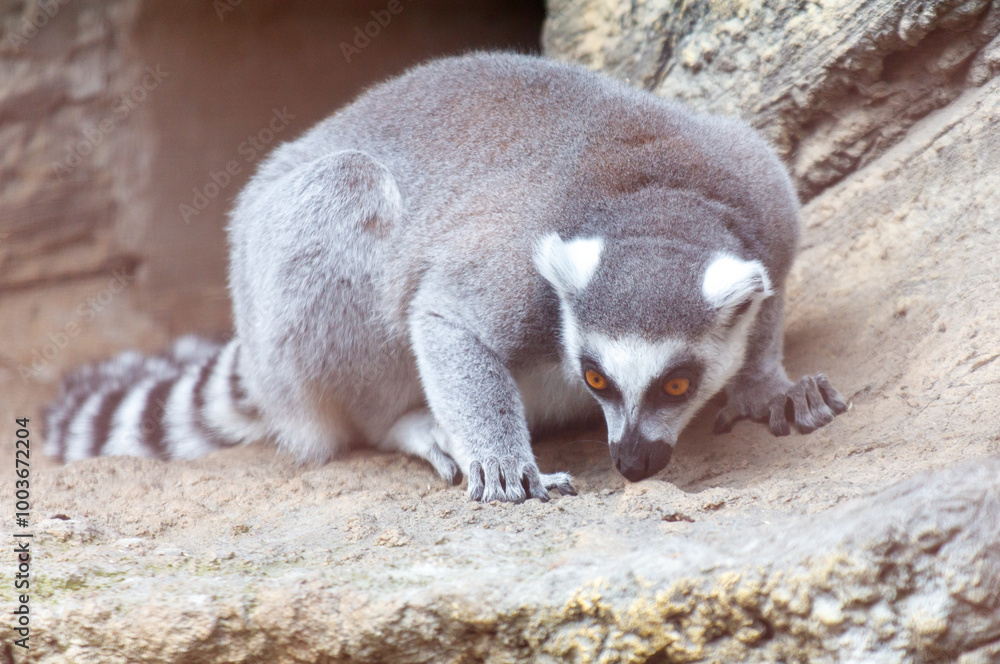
x,y
387,270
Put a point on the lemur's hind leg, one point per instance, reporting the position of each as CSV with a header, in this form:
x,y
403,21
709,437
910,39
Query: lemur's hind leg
x,y
762,391
419,434
305,247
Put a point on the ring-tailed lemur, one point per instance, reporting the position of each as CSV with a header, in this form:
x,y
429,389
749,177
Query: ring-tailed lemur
x,y
484,243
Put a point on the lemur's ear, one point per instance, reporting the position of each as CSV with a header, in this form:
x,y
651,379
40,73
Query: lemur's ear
x,y
732,284
568,265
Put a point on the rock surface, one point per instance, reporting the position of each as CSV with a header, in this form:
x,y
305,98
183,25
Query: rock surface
x,y
416,576
871,540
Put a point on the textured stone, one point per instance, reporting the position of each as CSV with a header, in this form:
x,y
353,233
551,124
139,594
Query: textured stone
x,y
833,84
885,579
63,180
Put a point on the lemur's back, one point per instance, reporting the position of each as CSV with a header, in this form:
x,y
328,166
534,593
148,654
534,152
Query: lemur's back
x,y
491,150
469,124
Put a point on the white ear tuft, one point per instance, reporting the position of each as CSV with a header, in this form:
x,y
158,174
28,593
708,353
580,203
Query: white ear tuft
x,y
731,281
568,265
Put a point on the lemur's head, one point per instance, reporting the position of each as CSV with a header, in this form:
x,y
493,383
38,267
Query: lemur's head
x,y
652,331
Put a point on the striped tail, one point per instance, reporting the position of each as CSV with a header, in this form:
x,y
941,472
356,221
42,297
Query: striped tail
x,y
179,405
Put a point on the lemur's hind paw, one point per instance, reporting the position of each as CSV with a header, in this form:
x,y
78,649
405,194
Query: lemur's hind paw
x,y
561,482
810,403
508,480
419,434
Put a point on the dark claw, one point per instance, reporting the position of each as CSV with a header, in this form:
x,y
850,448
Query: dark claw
x,y
508,480
725,420
830,395
799,396
563,484
778,422
565,489
533,487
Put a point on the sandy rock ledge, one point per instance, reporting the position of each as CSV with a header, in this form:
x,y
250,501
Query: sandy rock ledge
x,y
908,575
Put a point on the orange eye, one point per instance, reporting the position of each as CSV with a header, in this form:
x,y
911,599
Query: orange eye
x,y
677,387
596,380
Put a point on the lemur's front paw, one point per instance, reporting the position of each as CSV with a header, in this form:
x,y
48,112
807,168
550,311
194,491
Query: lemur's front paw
x,y
511,480
811,403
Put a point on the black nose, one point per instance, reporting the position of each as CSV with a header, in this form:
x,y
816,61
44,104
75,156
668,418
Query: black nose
x,y
637,458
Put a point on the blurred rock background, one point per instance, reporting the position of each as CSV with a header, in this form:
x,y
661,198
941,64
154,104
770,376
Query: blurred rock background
x,y
115,114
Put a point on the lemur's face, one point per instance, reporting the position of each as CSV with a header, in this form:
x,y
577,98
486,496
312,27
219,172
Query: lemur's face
x,y
650,388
